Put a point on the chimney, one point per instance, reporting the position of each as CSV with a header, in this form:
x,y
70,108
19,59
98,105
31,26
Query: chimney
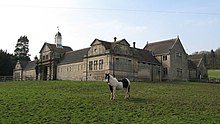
x,y
115,38
134,44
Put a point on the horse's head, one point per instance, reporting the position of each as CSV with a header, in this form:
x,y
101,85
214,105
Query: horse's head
x,y
107,77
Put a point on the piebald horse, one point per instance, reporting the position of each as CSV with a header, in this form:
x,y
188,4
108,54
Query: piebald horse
x,y
114,85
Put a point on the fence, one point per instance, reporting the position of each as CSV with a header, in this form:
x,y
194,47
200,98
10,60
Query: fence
x,y
6,78
214,80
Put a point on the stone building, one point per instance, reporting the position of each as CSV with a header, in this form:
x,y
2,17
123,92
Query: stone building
x,y
25,70
171,54
117,58
197,68
163,60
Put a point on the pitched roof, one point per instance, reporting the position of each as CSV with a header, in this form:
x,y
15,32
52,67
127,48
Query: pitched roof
x,y
196,56
123,41
196,62
30,65
54,48
106,44
110,45
191,64
146,56
23,64
143,55
196,59
161,47
74,56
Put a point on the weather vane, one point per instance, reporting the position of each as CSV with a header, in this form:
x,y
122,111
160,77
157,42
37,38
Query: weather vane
x,y
58,28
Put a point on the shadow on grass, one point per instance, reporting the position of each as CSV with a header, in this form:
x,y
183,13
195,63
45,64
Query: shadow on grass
x,y
137,100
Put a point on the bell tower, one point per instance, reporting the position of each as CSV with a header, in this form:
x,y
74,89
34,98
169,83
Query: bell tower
x,y
58,39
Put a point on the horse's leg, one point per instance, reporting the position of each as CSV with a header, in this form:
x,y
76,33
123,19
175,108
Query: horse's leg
x,y
127,92
111,98
113,93
111,89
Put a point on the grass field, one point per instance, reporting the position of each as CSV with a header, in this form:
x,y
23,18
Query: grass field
x,y
88,102
214,73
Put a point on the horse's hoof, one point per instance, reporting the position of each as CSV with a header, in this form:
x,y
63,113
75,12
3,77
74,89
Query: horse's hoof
x,y
112,98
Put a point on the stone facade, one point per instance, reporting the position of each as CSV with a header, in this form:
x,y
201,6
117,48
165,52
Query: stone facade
x,y
197,69
163,60
173,57
18,71
25,70
117,58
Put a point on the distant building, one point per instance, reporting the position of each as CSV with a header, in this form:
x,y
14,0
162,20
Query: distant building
x,y
163,60
197,68
24,70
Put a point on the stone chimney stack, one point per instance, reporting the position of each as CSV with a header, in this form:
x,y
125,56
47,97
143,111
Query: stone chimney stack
x,y
115,38
134,44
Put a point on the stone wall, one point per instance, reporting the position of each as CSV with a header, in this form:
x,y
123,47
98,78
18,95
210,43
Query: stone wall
x,y
178,62
29,74
72,71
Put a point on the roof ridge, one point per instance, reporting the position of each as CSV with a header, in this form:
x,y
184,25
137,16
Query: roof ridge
x,y
154,42
101,40
78,50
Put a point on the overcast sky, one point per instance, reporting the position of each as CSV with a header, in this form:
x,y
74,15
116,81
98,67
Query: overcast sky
x,y
197,22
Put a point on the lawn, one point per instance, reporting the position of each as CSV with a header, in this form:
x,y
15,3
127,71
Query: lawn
x,y
89,102
214,73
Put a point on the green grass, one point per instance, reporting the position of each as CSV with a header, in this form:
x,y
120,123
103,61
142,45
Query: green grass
x,y
214,73
89,102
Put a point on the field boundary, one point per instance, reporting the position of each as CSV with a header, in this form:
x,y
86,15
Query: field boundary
x,y
208,80
6,78
213,80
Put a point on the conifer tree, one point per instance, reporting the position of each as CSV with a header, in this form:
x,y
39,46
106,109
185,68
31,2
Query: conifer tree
x,y
22,49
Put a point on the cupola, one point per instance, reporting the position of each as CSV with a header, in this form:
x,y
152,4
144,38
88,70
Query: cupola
x,y
58,39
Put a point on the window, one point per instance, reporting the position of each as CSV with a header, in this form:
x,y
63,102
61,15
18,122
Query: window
x,y
100,64
46,56
81,67
78,67
95,64
178,55
164,58
90,65
43,57
165,72
179,72
95,50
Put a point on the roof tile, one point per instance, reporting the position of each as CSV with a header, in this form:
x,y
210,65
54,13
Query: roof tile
x,y
161,47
